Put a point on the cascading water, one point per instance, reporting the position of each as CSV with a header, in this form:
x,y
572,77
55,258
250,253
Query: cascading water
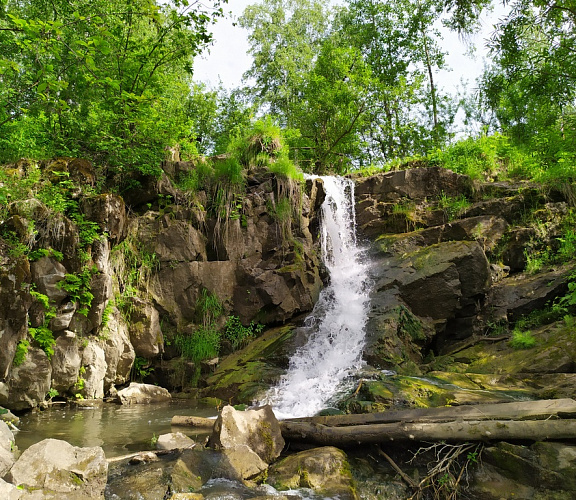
x,y
335,328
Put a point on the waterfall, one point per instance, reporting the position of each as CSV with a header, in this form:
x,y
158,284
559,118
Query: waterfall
x,y
335,329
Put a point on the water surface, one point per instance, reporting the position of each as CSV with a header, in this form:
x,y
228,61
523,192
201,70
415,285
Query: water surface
x,y
117,429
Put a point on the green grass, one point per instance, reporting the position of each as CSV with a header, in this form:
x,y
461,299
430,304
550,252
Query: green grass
x,y
285,168
453,207
203,343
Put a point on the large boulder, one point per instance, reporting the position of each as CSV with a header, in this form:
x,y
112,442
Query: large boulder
x,y
94,363
143,394
325,470
66,362
144,328
29,382
61,471
6,446
9,491
250,439
118,350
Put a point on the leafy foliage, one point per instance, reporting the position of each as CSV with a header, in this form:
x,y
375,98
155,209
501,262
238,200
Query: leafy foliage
x,y
238,334
522,339
108,84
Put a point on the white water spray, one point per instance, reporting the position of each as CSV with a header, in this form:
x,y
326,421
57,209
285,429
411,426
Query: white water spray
x,y
336,326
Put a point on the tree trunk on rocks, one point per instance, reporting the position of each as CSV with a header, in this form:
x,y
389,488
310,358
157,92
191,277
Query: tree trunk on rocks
x,y
530,420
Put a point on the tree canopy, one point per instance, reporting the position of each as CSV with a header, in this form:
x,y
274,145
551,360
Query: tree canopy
x,y
100,78
352,84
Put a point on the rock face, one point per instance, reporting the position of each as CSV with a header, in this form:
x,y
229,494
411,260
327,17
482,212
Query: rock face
x,y
124,276
29,382
250,439
61,470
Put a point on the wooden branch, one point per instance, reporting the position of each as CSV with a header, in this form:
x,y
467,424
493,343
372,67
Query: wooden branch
x,y
409,481
196,422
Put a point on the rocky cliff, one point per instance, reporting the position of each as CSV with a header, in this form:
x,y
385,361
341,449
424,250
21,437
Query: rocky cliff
x,y
459,314
91,281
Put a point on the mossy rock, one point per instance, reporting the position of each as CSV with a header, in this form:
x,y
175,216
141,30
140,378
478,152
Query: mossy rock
x,y
246,374
325,470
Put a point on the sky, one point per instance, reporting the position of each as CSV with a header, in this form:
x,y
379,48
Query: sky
x,y
228,58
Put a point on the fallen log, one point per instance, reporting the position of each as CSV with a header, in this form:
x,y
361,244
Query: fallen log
x,y
521,410
459,430
197,422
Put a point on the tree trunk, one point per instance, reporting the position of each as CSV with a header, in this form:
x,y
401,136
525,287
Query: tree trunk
x,y
530,420
522,410
473,430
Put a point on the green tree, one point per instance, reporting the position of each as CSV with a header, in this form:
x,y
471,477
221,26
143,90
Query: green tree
x,y
409,114
100,78
332,109
285,38
219,115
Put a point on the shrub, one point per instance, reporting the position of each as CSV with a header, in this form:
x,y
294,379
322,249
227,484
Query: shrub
x,y
238,334
522,339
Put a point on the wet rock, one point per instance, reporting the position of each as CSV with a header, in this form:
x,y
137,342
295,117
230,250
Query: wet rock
x,y
66,362
553,352
325,470
61,470
144,328
94,363
174,440
526,472
28,383
143,394
250,439
246,374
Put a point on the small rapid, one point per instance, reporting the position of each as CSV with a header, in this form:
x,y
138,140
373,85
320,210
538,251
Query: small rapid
x,y
336,327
